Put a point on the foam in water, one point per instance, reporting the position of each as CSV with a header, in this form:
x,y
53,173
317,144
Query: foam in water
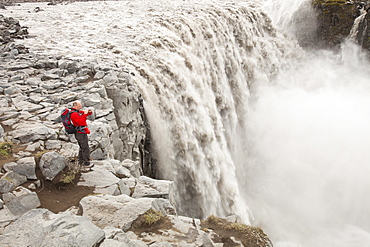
x,y
309,139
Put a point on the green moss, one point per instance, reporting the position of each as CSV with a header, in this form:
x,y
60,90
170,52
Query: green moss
x,y
249,236
151,217
68,177
6,148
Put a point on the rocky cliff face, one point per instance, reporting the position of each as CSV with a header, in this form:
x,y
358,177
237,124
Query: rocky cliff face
x,y
336,19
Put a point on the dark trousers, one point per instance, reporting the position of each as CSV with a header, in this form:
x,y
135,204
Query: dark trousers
x,y
84,152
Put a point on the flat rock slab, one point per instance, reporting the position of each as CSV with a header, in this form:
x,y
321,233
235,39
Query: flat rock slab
x,y
98,178
40,227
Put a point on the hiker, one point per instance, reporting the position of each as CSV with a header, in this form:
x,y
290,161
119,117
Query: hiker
x,y
78,119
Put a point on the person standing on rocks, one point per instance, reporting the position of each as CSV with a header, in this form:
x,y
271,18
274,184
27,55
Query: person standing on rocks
x,y
78,118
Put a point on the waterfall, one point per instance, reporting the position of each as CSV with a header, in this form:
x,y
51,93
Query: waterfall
x,y
356,34
197,81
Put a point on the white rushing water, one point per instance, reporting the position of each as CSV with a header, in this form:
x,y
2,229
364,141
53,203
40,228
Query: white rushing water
x,y
243,120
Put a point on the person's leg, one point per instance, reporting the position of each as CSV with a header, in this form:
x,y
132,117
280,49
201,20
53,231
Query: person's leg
x,y
84,152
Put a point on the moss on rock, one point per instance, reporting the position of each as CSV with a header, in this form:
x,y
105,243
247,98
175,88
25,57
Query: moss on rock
x,y
249,236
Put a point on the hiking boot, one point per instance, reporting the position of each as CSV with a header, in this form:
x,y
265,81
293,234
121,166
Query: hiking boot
x,y
86,168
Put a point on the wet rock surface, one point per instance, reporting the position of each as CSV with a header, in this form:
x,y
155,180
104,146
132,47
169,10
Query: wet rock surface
x,y
336,20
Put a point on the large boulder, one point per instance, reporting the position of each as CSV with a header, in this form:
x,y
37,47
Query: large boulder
x,y
21,201
51,164
119,211
148,187
40,227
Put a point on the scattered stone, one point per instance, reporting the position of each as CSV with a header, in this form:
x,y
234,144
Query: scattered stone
x,y
10,180
27,135
133,166
24,166
21,201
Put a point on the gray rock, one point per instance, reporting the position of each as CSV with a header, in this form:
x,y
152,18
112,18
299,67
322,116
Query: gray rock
x,y
52,84
130,182
1,204
70,66
123,188
6,217
36,99
164,206
161,244
21,154
51,164
100,140
21,201
24,166
49,76
9,115
122,172
2,133
110,78
117,237
18,66
99,75
10,180
27,106
117,211
100,90
12,90
33,146
46,64
40,227
102,180
26,135
133,166
53,144
148,187
81,79
69,149
84,72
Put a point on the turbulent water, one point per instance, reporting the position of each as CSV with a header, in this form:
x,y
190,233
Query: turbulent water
x,y
242,119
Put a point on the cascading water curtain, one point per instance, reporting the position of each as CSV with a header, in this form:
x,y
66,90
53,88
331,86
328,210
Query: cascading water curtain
x,y
202,65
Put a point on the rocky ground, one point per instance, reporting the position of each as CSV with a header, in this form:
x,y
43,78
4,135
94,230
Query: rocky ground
x,y
44,198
